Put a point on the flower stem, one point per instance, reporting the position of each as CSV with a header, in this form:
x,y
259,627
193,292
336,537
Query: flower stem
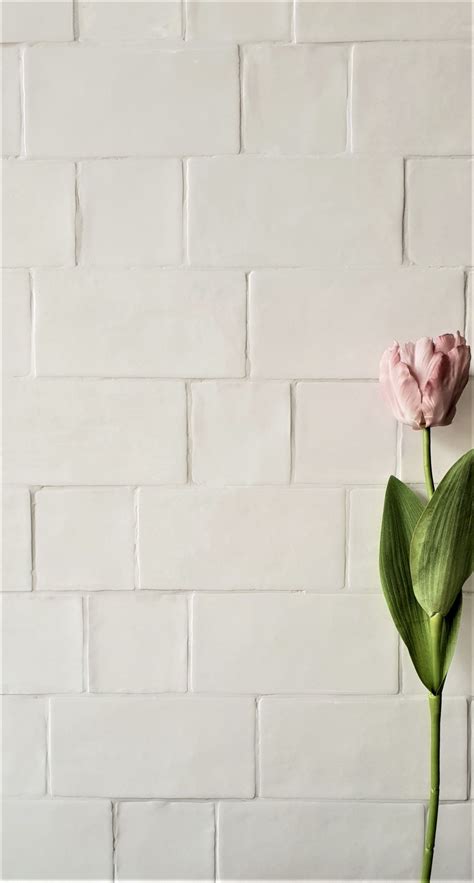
x,y
427,462
435,702
430,836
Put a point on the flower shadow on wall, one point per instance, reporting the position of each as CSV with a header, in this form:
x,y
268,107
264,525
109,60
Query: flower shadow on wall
x,y
426,552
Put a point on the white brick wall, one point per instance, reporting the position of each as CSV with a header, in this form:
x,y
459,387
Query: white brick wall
x,y
217,215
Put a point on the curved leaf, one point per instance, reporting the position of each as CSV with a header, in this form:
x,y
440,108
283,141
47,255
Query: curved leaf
x,y
449,637
441,545
402,510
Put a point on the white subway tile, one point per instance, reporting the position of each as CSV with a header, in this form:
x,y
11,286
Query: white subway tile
x,y
460,680
242,538
165,841
133,243
84,538
295,211
95,432
281,840
42,644
238,21
469,585
343,749
135,20
358,20
38,205
37,20
335,324
16,322
58,840
137,643
412,98
23,746
131,212
11,110
365,521
294,99
155,747
16,537
439,221
163,323
448,443
292,644
240,433
453,858
344,433
107,101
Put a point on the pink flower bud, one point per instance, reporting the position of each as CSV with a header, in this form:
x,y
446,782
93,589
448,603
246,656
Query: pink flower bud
x,y
422,381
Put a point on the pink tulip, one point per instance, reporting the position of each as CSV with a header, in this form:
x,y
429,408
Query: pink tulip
x,y
422,381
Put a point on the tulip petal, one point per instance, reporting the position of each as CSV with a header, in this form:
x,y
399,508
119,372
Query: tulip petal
x,y
444,343
407,394
445,386
407,354
400,389
424,352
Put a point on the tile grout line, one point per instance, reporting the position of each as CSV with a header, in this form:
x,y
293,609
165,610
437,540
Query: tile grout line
x,y
184,20
208,486
280,158
224,268
164,592
176,43
250,801
320,697
75,21
165,379
293,21
115,810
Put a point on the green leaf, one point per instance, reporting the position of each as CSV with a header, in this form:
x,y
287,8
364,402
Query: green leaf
x,y
402,510
450,634
441,546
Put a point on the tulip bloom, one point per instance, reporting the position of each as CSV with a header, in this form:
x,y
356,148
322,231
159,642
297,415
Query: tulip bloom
x,y
422,381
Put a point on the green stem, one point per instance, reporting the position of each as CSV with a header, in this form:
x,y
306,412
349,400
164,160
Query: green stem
x,y
430,836
427,462
435,702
